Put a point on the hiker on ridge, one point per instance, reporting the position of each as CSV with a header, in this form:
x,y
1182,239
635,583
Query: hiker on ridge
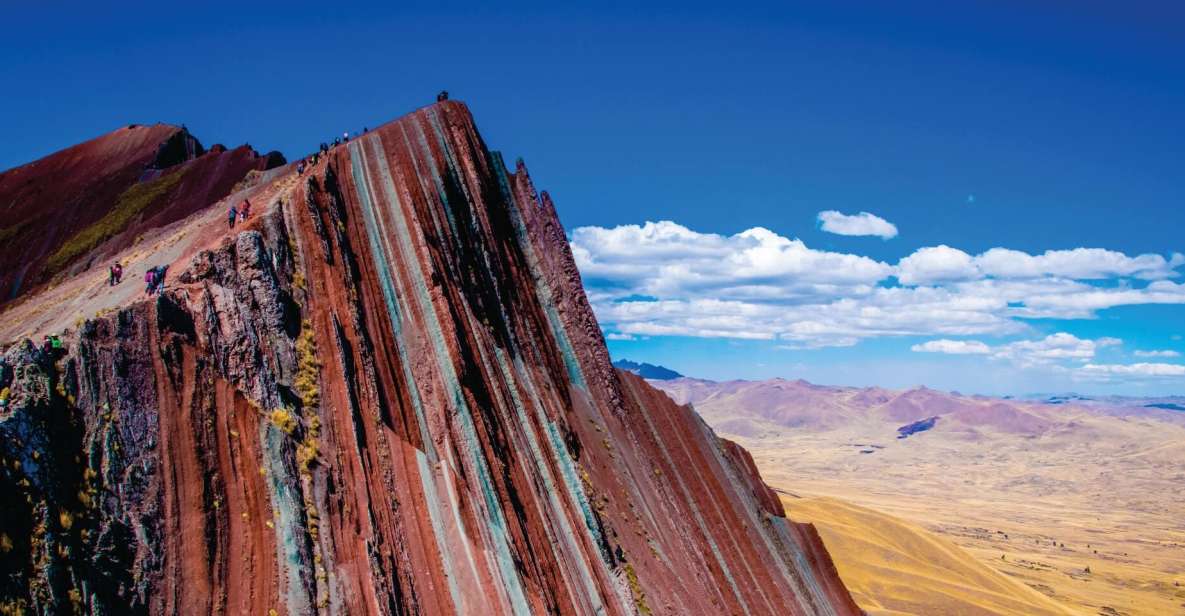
x,y
115,274
150,279
443,96
159,278
231,215
244,210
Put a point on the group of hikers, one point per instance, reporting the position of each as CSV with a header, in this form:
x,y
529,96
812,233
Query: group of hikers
x,y
114,274
154,280
326,146
239,213
324,149
51,345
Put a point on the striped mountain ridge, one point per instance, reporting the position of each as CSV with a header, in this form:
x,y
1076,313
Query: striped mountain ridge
x,y
385,394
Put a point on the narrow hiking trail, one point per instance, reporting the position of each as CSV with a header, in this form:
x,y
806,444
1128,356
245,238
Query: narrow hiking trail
x,y
60,307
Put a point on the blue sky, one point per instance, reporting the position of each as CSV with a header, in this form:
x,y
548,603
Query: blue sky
x,y
1024,126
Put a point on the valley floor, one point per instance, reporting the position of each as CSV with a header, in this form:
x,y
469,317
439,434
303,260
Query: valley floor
x,y
1041,511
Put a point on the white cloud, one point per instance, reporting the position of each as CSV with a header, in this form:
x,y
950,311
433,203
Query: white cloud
x,y
1133,370
1165,353
936,264
1077,264
663,279
944,264
1049,350
1052,348
863,223
665,259
822,322
617,336
952,347
1074,300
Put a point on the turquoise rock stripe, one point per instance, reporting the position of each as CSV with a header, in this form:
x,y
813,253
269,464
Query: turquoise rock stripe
x,y
496,523
289,523
428,483
387,283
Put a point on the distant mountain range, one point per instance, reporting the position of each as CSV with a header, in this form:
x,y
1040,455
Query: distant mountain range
x,y
755,408
647,371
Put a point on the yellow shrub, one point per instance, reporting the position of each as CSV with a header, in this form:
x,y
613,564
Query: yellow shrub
x,y
308,368
306,454
636,590
284,420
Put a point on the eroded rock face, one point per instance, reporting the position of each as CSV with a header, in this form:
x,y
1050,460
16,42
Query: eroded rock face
x,y
391,397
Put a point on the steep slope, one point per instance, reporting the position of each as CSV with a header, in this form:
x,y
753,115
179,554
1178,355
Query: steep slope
x,y
388,395
55,212
893,567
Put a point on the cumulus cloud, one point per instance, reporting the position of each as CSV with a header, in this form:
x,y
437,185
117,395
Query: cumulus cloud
x,y
936,264
943,264
1052,348
1049,350
863,223
818,323
1078,264
1166,353
664,279
952,347
1134,370
618,336
665,259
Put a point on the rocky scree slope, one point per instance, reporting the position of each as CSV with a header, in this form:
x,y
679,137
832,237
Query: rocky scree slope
x,y
388,395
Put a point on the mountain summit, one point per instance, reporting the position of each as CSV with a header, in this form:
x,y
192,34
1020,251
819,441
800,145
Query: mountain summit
x,y
385,393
